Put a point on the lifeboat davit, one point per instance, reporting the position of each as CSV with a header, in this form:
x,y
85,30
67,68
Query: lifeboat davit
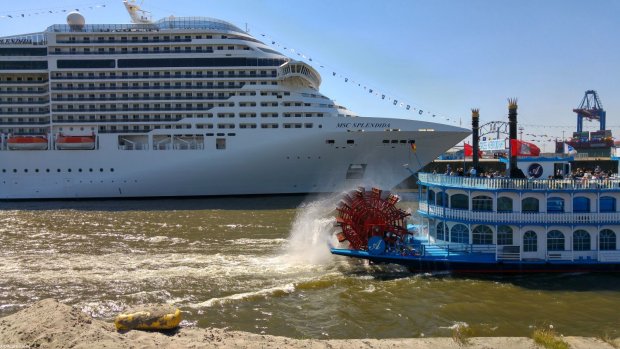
x,y
27,142
75,142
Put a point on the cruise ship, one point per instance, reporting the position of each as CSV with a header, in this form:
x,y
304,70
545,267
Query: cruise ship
x,y
184,106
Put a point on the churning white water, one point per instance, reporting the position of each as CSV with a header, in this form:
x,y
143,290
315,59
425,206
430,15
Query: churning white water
x,y
312,232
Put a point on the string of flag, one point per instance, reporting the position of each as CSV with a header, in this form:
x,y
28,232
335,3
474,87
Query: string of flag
x,y
378,93
47,11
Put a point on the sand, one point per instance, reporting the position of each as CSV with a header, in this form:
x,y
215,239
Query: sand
x,y
50,324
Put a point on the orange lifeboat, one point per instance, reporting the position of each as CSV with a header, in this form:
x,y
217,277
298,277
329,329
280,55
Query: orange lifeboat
x,y
75,142
27,142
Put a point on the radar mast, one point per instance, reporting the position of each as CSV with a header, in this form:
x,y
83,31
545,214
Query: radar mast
x,y
138,15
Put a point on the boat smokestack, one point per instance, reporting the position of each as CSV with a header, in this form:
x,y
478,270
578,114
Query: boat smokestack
x,y
475,125
512,130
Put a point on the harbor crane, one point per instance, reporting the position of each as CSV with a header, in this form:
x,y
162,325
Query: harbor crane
x,y
591,109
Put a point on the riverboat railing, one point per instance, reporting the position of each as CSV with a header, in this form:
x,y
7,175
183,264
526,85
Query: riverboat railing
x,y
516,184
491,217
513,253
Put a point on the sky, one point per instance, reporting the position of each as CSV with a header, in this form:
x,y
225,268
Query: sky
x,y
441,57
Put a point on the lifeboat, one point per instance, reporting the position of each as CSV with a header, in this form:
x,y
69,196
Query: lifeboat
x,y
27,143
75,142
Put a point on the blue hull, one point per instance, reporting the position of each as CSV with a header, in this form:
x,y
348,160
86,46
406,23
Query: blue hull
x,y
480,264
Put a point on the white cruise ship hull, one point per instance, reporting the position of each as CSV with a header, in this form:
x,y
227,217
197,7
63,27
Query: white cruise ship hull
x,y
285,162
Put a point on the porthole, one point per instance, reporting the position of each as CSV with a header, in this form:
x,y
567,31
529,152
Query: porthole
x,y
90,170
25,170
68,170
36,170
57,170
14,170
111,170
100,170
47,170
3,170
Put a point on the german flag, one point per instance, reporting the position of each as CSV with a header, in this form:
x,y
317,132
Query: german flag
x,y
413,146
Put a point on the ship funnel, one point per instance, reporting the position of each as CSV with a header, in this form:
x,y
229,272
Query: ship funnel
x,y
475,122
138,15
512,135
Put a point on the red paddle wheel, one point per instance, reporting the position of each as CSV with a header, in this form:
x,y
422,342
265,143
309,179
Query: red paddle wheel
x,y
363,214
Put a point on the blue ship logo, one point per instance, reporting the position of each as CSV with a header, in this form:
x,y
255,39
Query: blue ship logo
x,y
535,170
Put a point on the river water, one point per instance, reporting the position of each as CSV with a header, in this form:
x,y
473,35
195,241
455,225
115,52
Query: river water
x,y
262,265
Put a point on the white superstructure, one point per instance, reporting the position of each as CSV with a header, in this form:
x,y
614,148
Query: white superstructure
x,y
183,107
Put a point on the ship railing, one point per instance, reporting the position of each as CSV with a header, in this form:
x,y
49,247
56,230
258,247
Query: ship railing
x,y
609,256
452,249
493,217
508,253
431,179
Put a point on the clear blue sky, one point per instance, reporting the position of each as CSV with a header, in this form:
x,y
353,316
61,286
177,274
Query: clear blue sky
x,y
442,56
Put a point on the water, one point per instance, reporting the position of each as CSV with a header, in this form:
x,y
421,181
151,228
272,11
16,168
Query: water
x,y
262,265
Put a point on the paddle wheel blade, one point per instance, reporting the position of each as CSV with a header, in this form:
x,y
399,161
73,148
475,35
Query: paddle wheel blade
x,y
364,215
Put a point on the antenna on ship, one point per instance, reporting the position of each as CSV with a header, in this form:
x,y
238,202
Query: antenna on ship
x,y
138,15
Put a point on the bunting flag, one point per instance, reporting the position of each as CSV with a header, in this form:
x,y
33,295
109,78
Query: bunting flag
x,y
276,44
47,11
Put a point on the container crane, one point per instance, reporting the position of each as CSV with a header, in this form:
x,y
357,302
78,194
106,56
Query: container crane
x,y
591,109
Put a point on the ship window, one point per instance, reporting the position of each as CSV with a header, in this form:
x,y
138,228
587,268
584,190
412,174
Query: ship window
x,y
504,204
482,235
607,204
581,240
504,235
607,240
581,204
530,241
442,231
220,143
459,234
529,205
555,241
555,204
482,203
459,202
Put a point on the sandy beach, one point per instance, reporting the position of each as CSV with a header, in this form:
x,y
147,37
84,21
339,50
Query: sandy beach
x,y
50,324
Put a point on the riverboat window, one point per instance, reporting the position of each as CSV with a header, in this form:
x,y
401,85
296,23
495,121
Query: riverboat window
x,y
442,199
555,204
442,231
504,204
504,235
581,204
482,203
459,202
555,241
581,240
607,240
607,204
459,234
530,241
482,235
431,197
529,205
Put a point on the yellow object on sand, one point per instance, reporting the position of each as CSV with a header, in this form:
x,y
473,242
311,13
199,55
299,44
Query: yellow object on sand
x,y
150,319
